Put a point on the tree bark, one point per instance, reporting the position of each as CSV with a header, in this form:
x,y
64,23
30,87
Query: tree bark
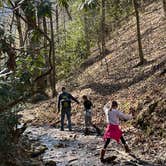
x,y
19,29
103,45
86,35
141,55
53,75
57,23
45,48
164,7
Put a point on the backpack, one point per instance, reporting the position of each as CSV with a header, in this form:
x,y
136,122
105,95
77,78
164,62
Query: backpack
x,y
65,101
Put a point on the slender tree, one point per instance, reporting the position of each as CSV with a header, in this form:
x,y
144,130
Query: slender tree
x,y
86,33
57,23
164,7
103,10
141,55
86,6
53,75
19,26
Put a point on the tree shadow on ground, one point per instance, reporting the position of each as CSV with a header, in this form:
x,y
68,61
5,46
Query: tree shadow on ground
x,y
137,161
113,160
94,59
89,62
107,89
149,62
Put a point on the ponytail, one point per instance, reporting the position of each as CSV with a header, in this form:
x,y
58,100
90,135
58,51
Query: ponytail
x,y
114,104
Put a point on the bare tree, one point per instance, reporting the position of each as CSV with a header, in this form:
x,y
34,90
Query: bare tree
x,y
141,55
53,74
103,46
86,33
164,7
18,21
57,23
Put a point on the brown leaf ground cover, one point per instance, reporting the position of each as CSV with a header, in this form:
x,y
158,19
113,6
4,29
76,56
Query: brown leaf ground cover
x,y
143,86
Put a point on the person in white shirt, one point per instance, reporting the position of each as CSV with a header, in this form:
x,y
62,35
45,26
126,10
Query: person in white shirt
x,y
113,116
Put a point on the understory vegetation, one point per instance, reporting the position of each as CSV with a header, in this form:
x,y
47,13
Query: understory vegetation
x,y
44,43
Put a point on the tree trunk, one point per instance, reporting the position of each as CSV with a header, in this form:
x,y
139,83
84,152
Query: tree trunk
x,y
86,35
45,48
164,7
57,23
18,21
45,31
64,28
53,74
142,60
103,46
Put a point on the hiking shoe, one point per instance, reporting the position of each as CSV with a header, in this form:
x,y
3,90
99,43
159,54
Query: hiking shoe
x,y
102,153
86,132
127,148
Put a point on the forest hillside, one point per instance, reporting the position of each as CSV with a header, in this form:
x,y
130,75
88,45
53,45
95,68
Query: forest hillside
x,y
118,77
105,70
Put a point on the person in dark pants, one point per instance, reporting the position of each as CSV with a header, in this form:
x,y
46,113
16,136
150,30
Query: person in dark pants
x,y
113,116
64,105
88,116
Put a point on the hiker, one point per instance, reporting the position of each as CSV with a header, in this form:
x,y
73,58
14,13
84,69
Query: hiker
x,y
64,101
88,116
113,131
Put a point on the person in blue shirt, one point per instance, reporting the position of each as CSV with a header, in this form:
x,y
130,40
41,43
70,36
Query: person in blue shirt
x,y
64,106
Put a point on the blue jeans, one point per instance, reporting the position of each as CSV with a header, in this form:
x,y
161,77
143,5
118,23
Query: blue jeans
x,y
66,112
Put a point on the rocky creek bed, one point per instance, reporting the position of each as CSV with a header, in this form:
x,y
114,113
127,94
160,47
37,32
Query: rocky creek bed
x,y
64,148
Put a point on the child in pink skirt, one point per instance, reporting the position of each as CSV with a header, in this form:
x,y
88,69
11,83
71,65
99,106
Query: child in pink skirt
x,y
113,131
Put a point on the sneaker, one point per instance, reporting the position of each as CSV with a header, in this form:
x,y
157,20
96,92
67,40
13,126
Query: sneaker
x,y
61,129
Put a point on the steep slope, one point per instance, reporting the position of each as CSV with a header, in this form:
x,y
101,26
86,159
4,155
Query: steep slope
x,y
126,82
117,77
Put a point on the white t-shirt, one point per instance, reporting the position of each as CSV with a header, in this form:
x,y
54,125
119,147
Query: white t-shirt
x,y
114,116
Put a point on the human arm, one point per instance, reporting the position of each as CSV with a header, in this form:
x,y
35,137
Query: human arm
x,y
74,99
124,116
91,104
58,103
106,107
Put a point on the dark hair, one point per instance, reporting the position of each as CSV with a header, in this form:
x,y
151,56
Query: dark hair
x,y
84,97
114,104
63,88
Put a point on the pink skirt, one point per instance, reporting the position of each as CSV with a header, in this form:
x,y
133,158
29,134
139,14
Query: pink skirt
x,y
113,132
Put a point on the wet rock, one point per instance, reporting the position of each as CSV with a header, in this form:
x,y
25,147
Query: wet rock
x,y
75,136
50,163
60,145
31,163
38,151
109,159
